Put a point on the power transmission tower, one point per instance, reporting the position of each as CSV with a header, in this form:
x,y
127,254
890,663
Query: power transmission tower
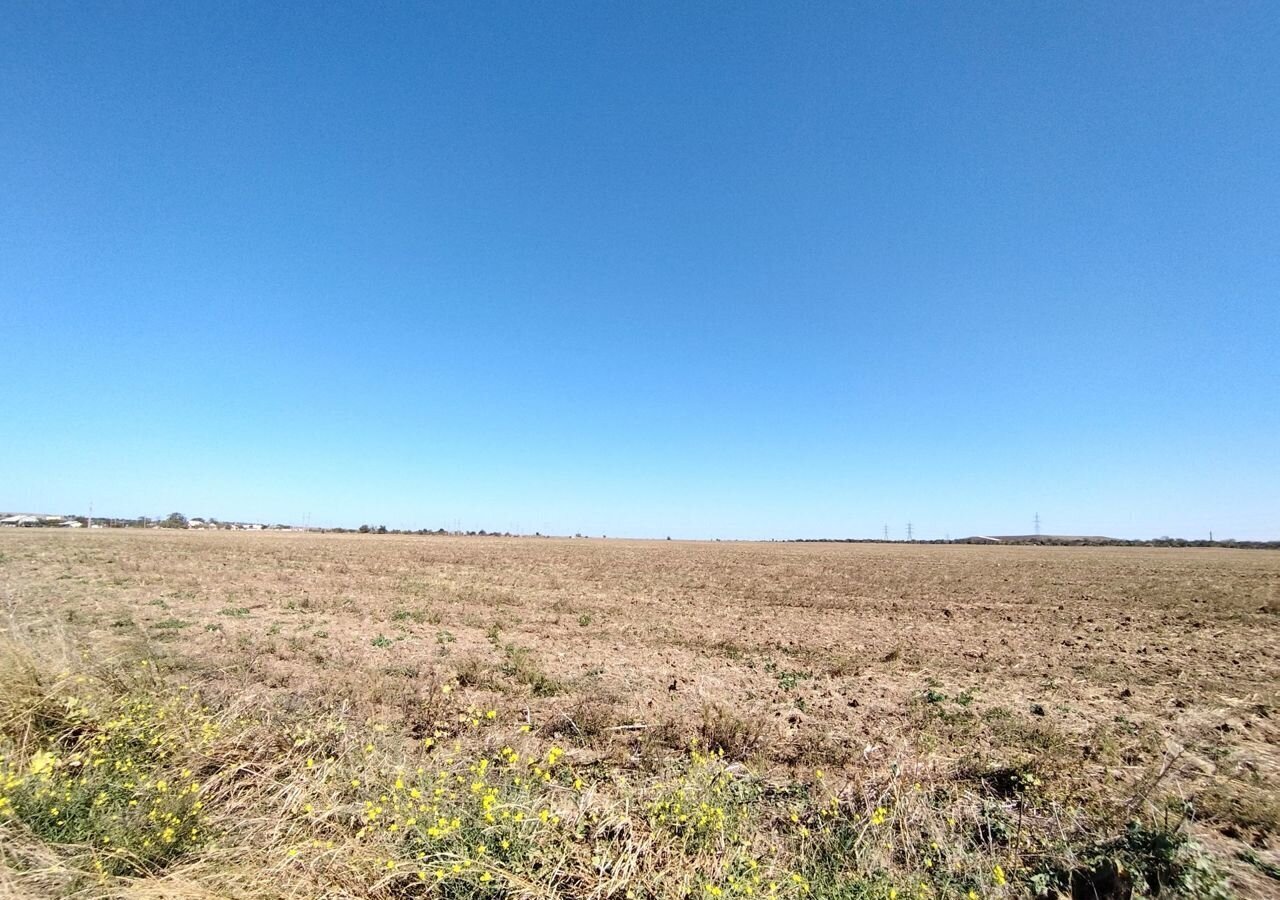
x,y
1037,524
910,532
886,532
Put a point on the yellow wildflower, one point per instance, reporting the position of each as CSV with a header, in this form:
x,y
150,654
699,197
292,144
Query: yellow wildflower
x,y
41,762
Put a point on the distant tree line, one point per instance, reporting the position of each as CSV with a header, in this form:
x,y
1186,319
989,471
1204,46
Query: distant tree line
x,y
1045,541
383,529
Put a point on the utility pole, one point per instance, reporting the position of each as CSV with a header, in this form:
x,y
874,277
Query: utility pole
x,y
89,519
910,532
1037,524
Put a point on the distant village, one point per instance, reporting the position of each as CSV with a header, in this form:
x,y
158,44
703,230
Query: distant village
x,y
179,521
175,520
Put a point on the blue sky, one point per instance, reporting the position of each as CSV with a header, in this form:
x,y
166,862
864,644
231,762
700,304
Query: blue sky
x,y
728,270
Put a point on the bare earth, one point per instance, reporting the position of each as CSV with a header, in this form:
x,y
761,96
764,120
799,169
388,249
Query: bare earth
x,y
1108,662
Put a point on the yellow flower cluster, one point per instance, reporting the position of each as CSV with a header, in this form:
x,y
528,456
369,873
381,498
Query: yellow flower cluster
x,y
703,803
464,818
105,778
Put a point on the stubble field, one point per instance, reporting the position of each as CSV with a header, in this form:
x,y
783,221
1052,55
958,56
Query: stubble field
x,y
646,719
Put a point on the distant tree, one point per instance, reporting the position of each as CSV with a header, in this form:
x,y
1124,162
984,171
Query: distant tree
x,y
175,520
382,529
364,529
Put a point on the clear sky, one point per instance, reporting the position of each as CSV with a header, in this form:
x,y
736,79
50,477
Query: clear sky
x,y
728,270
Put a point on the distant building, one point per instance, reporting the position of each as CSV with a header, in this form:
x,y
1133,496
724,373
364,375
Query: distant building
x,y
20,522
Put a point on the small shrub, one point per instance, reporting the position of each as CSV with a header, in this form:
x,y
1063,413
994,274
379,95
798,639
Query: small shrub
x,y
521,666
171,624
1147,860
787,680
585,720
844,666
725,732
472,672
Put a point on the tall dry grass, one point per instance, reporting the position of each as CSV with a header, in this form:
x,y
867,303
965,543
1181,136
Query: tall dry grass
x,y
118,780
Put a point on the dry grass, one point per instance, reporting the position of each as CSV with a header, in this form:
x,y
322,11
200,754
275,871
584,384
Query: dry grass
x,y
967,708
